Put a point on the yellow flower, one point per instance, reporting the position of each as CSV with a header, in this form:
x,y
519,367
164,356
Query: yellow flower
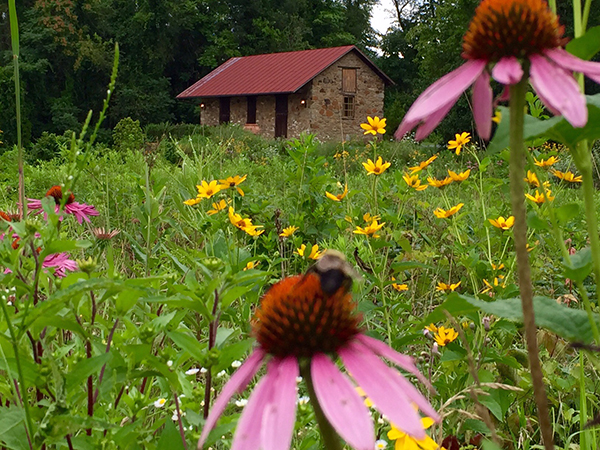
x,y
314,251
362,393
567,176
217,207
532,179
251,265
339,197
207,190
443,287
376,168
192,201
253,230
497,116
545,163
443,214
431,327
367,217
371,229
422,165
439,183
287,232
539,198
460,141
502,223
445,335
414,182
399,287
459,176
489,287
237,220
498,267
374,126
407,442
233,182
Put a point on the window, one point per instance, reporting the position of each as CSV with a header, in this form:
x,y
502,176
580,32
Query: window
x,y
348,107
349,81
251,114
224,110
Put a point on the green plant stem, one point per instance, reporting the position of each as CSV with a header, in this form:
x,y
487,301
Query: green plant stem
x,y
586,14
23,387
517,193
552,4
14,38
331,441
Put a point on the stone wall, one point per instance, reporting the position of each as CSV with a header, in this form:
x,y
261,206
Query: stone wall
x,y
327,100
322,110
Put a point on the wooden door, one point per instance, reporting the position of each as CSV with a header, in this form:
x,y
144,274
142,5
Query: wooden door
x,y
281,115
224,110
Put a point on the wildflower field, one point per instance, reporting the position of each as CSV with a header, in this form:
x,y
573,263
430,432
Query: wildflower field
x,y
215,289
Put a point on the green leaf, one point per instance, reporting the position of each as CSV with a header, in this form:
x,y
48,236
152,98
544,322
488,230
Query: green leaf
x,y
566,212
535,222
586,46
581,265
188,343
84,369
170,438
556,128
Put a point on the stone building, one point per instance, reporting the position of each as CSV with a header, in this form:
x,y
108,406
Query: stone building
x,y
328,92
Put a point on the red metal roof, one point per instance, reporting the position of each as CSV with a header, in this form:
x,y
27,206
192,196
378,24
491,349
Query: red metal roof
x,y
274,73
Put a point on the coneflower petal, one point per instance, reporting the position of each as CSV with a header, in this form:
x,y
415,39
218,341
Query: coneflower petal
x,y
279,416
379,383
403,361
432,121
443,92
342,405
570,62
559,89
482,105
508,71
247,434
237,383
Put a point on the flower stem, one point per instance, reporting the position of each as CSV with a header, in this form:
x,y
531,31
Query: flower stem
x,y
331,441
517,193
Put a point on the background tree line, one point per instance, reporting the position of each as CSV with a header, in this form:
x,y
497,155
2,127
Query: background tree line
x,y
166,45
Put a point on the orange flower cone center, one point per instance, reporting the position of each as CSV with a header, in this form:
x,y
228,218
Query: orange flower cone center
x,y
56,193
296,317
503,28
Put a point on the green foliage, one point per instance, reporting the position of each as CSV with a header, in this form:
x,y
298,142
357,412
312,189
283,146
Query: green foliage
x,y
128,135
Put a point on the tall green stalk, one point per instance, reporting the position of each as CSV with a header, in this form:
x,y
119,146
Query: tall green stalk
x,y
517,197
14,38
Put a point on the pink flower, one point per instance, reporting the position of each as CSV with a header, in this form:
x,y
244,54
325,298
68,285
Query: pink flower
x,y
61,262
503,37
302,320
81,211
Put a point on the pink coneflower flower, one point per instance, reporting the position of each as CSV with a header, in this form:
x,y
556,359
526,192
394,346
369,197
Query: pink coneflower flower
x,y
61,263
303,321
81,211
504,37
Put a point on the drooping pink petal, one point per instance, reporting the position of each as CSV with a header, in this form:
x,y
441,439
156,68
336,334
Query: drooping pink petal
x,y
429,123
572,63
406,386
482,105
440,94
341,404
238,382
34,203
248,431
81,211
279,416
379,383
404,361
559,89
508,71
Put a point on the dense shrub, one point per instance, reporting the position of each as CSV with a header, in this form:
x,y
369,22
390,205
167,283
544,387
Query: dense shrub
x,y
128,135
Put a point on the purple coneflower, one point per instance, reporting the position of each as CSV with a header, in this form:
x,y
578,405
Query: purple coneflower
x,y
81,211
61,263
303,321
504,37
